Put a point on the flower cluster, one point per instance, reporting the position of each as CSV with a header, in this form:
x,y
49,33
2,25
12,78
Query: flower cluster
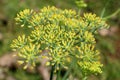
x,y
64,34
23,17
80,3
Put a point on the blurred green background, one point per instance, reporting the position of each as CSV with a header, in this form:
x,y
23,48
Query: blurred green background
x,y
108,41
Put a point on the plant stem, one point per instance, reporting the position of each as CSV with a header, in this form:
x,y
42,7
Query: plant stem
x,y
52,71
104,9
58,73
113,14
84,78
66,75
79,11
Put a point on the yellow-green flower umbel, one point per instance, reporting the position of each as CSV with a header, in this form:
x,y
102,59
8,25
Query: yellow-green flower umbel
x,y
64,34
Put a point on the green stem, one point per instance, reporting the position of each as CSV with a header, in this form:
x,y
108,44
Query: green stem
x,y
104,9
52,72
112,15
84,78
67,73
79,11
58,73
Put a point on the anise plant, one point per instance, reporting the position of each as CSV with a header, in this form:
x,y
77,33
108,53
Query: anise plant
x,y
64,34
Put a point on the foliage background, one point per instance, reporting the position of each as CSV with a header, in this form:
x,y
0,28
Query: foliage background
x,y
108,40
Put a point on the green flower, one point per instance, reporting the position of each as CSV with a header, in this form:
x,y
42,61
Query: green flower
x,y
23,17
65,35
80,3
